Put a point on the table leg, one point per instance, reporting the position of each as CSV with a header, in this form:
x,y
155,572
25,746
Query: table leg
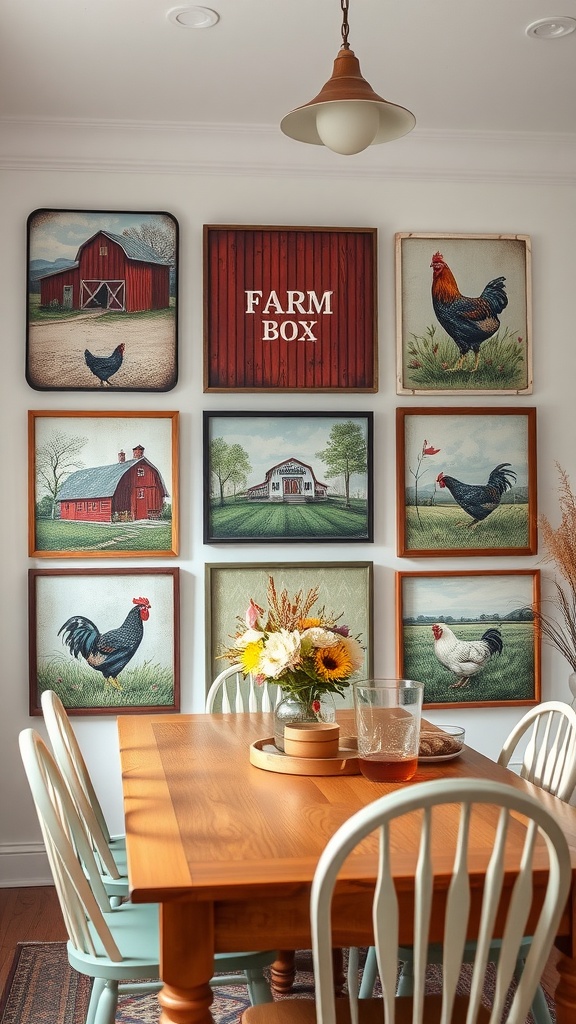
x,y
186,963
283,972
565,996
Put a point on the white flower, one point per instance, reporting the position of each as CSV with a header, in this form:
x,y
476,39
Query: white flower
x,y
251,636
355,651
281,651
317,636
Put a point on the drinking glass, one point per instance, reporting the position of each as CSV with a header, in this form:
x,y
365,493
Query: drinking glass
x,y
388,714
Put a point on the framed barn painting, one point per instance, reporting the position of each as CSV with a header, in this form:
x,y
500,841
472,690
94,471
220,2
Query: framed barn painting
x,y
289,309
287,477
105,640
463,314
345,591
466,481
471,637
102,484
102,301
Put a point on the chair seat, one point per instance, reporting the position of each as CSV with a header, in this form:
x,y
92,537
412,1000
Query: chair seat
x,y
370,1011
135,930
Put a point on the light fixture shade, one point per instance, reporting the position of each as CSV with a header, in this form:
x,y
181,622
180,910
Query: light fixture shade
x,y
347,88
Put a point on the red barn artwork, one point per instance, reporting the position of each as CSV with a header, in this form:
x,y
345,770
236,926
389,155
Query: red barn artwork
x,y
112,272
127,490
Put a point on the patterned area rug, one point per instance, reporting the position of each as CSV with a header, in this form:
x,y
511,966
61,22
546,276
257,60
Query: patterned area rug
x,y
43,989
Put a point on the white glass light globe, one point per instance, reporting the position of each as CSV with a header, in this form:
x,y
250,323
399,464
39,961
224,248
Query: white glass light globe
x,y
347,126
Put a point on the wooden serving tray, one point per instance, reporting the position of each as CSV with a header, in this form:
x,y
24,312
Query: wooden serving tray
x,y
264,754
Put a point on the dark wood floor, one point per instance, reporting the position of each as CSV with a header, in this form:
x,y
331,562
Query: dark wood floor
x,y
33,915
27,915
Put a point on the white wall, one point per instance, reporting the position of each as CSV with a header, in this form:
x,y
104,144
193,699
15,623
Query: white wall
x,y
451,184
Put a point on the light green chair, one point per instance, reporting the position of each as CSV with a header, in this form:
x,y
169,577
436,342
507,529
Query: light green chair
x,y
118,945
548,761
109,851
382,820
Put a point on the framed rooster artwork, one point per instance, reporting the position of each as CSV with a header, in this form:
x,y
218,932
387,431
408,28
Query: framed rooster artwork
x,y
463,314
105,640
466,481
471,636
102,290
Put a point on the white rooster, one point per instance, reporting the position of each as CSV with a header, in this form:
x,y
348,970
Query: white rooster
x,y
464,658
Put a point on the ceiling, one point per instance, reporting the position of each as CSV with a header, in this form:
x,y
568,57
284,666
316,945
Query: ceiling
x,y
457,64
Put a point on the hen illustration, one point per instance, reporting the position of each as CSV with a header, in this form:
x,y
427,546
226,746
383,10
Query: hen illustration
x,y
110,652
479,500
105,367
465,658
468,321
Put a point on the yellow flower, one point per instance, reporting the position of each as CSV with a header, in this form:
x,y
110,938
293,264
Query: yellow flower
x,y
250,656
333,662
308,624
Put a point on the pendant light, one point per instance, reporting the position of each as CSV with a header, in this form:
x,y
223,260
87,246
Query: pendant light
x,y
347,115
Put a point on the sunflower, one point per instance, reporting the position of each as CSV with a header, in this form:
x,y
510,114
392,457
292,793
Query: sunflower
x,y
333,662
250,656
308,624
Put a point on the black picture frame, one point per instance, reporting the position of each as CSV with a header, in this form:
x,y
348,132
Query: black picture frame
x,y
102,300
263,477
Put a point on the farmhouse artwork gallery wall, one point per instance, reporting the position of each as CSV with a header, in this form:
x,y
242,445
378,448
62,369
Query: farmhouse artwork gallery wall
x,y
285,310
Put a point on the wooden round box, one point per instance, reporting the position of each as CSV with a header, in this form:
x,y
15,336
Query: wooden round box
x,y
312,739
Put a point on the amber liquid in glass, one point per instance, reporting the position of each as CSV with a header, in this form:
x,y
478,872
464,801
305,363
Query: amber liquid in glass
x,y
378,770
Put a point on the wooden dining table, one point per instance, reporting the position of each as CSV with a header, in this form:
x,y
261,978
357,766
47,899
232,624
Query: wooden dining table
x,y
228,850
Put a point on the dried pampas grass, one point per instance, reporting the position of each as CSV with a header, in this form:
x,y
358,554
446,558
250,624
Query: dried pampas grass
x,y
560,544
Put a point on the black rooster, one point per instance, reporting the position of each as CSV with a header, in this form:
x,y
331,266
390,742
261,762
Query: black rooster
x,y
105,367
468,321
110,652
479,500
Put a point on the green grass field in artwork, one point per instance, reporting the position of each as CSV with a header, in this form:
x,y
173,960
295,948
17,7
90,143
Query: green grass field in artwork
x,y
447,527
239,519
80,686
506,677
56,535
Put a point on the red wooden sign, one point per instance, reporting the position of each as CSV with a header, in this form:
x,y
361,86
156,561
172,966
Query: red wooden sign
x,y
289,309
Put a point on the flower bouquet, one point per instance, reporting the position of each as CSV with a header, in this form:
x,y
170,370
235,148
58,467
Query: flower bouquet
x,y
307,655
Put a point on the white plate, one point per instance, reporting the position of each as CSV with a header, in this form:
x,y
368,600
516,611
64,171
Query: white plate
x,y
442,757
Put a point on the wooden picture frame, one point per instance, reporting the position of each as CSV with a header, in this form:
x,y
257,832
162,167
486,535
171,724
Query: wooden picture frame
x,y
346,589
290,308
463,314
288,477
89,498
102,309
466,481
492,609
71,609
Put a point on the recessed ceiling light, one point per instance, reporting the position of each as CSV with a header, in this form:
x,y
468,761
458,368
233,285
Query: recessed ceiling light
x,y
551,28
193,17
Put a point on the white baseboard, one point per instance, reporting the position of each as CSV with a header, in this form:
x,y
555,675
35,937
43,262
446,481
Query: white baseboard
x,y
23,864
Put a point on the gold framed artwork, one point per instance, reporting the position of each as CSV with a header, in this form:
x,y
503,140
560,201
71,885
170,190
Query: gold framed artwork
x,y
471,635
102,484
466,481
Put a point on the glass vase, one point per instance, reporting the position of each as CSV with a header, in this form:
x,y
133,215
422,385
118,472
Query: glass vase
x,y
292,709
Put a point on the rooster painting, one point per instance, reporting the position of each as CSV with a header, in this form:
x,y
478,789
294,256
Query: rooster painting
x,y
105,367
479,500
465,658
110,652
468,321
